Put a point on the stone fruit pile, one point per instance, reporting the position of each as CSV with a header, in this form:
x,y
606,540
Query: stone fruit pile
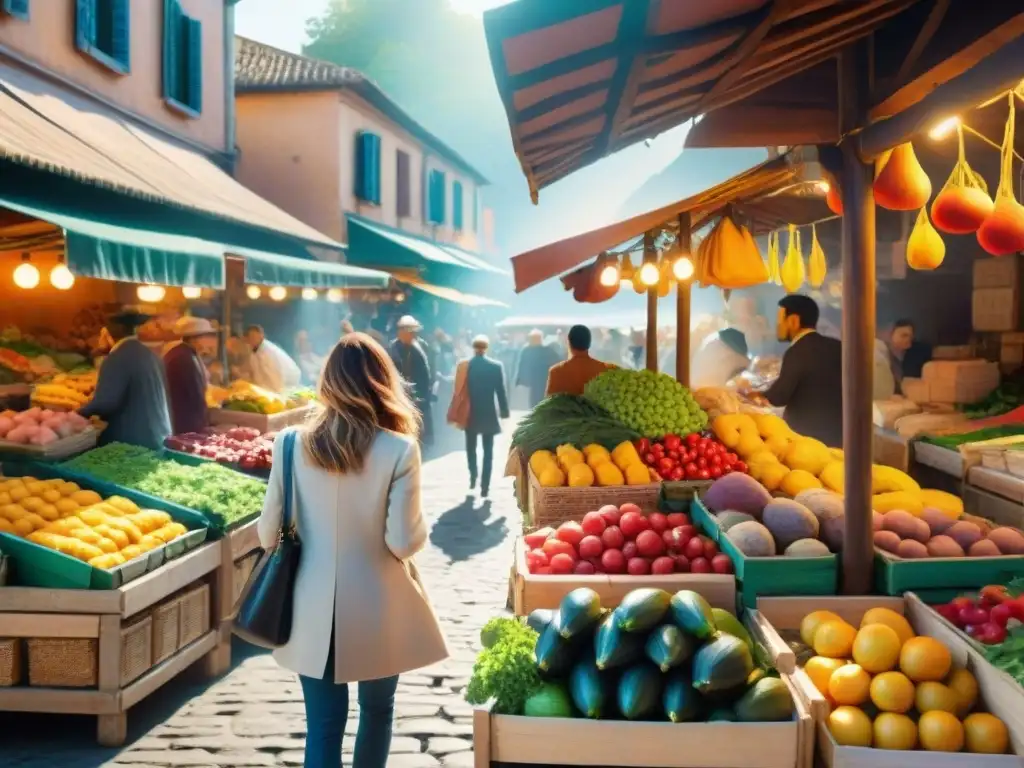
x,y
594,465
892,689
934,534
624,540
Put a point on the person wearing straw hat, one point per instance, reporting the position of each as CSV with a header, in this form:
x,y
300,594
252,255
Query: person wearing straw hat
x,y
130,392
186,374
488,403
411,360
535,360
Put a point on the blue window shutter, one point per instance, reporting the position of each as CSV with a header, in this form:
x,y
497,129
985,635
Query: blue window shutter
x,y
374,168
457,205
437,197
194,42
476,209
85,24
368,167
172,27
18,8
121,37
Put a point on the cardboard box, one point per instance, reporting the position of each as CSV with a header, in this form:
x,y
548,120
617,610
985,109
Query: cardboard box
x,y
990,272
959,381
995,309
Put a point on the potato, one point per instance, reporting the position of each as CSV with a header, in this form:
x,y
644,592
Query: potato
x,y
887,540
877,521
984,548
944,546
1009,540
937,520
906,526
911,549
965,534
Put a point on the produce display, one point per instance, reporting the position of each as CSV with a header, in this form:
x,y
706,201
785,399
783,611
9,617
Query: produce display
x,y
934,533
892,689
593,465
989,617
226,497
65,391
38,426
693,457
653,404
248,398
243,446
104,533
655,657
1006,397
568,419
624,540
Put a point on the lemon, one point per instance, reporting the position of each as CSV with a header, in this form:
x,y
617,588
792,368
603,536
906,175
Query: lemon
x,y
940,731
965,687
820,668
834,638
936,697
850,727
891,619
985,734
892,692
849,684
894,731
876,648
925,659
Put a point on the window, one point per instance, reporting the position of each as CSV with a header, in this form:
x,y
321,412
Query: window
x,y
16,8
102,30
368,167
403,177
457,206
436,195
183,60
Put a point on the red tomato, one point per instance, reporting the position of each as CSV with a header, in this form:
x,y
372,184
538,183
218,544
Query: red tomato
x,y
715,472
562,564
612,537
610,513
1000,614
649,544
666,465
740,466
702,462
663,566
583,568
671,442
973,615
721,563
715,459
730,458
691,471
710,548
593,524
658,450
570,532
538,537
650,459
692,439
555,546
689,531
700,565
613,561
1017,608
675,519
676,474
727,470
694,548
591,546
643,445
990,633
703,475
633,523
995,594
658,522
682,564
629,550
962,602
673,454
638,566
545,571
630,507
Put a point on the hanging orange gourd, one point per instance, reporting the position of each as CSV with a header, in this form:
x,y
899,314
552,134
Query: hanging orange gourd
x,y
817,265
792,270
902,184
925,248
1002,232
773,259
833,199
963,203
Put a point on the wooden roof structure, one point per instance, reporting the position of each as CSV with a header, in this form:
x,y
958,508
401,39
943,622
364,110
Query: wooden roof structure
x,y
581,80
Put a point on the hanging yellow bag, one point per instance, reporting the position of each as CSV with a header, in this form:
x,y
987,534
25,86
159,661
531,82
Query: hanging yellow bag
x,y
730,257
773,259
792,271
817,266
925,248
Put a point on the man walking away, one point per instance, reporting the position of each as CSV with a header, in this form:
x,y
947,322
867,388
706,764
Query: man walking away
x,y
535,361
411,360
485,383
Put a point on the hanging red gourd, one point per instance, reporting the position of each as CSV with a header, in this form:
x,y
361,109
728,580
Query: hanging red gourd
x,y
902,184
963,203
925,248
833,199
1002,232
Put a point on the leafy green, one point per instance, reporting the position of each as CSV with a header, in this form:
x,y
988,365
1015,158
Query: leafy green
x,y
569,419
506,671
226,497
1009,654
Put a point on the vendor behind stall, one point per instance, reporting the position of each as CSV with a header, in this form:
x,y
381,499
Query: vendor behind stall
x,y
130,393
722,356
185,365
272,368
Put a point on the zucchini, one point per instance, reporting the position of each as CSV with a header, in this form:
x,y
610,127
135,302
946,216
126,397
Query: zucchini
x,y
722,663
642,609
614,647
693,614
579,611
668,646
639,691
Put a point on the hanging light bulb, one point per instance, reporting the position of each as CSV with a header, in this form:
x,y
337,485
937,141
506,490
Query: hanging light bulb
x,y
253,292
278,293
943,129
399,297
682,268
26,275
649,273
310,294
191,292
151,294
334,296
61,277
610,275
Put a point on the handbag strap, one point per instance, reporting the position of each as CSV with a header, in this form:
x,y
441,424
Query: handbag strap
x,y
288,517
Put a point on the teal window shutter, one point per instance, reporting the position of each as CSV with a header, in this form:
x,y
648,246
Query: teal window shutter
x,y
102,31
16,8
436,188
85,25
367,181
457,206
476,209
194,75
183,60
120,33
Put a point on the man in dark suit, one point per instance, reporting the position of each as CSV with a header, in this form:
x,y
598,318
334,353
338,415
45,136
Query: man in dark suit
x,y
485,384
810,384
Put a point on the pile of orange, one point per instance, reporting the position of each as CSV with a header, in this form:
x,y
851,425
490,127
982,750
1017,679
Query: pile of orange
x,y
891,689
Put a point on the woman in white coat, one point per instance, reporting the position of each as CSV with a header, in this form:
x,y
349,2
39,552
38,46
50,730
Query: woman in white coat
x,y
360,611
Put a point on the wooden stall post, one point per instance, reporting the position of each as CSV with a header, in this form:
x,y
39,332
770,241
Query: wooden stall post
x,y
858,325
683,295
651,255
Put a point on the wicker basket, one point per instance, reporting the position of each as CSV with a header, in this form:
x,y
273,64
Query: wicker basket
x,y
195,614
552,506
63,662
10,661
136,648
166,629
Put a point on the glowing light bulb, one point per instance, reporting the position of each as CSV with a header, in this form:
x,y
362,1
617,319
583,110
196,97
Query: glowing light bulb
x,y
610,275
944,128
278,293
682,269
61,277
649,274
253,292
191,292
26,276
334,296
310,294
151,294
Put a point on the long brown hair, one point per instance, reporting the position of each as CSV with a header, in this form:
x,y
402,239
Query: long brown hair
x,y
361,392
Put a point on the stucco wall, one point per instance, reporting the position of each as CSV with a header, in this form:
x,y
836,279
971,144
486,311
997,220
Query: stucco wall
x,y
47,40
288,154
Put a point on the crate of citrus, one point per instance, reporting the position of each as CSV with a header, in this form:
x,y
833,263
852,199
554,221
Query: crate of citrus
x,y
884,675
570,481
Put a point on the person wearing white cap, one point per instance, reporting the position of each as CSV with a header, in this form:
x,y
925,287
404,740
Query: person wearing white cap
x,y
535,360
485,386
411,360
185,369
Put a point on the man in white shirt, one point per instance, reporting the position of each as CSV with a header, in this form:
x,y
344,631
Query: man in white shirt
x,y
271,366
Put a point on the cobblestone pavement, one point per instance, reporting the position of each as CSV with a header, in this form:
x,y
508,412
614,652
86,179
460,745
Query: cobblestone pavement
x,y
254,717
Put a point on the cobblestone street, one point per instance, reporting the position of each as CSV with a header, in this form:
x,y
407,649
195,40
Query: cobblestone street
x,y
254,715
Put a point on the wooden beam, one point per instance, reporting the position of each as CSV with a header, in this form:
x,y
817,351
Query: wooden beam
x,y
651,255
1000,71
683,296
559,100
742,126
744,51
924,36
858,226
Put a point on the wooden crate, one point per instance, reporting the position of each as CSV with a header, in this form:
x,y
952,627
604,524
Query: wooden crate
x,y
263,422
553,506
532,592
577,741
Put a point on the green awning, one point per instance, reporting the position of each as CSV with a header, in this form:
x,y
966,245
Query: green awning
x,y
274,269
113,251
474,260
379,245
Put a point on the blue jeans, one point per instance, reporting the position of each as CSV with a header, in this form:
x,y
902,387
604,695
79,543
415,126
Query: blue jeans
x,y
327,711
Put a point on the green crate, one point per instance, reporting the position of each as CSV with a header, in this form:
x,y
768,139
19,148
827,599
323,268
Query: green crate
x,y
769,576
894,575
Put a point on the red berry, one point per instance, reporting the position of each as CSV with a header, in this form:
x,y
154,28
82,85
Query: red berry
x,y
649,544
638,566
663,566
591,546
583,568
610,513
632,523
629,550
675,519
721,563
570,532
562,564
613,561
658,522
593,524
612,537
700,565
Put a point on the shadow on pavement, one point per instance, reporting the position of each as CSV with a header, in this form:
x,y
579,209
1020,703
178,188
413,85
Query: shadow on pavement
x,y
465,530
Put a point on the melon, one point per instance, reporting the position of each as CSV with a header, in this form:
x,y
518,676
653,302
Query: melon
x,y
806,548
752,539
789,521
739,492
731,517
822,503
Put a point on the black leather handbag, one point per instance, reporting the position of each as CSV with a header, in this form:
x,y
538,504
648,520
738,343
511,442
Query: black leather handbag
x,y
263,614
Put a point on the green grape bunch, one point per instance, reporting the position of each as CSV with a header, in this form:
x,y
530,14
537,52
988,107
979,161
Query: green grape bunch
x,y
653,404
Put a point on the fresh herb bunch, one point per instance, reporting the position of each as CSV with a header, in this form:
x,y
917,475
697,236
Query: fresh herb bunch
x,y
506,671
569,419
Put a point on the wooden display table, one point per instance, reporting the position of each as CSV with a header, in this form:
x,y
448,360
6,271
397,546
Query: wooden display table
x,y
136,637
238,551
